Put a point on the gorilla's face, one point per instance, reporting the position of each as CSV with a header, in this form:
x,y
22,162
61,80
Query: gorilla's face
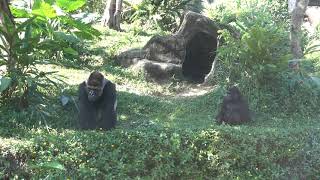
x,y
94,93
94,86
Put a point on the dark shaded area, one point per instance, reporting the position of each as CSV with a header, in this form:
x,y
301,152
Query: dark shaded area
x,y
200,53
314,3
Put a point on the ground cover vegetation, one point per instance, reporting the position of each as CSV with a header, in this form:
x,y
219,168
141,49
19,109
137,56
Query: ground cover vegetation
x,y
163,131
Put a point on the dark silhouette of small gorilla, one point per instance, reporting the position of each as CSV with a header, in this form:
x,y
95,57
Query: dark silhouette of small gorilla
x,y
97,103
234,109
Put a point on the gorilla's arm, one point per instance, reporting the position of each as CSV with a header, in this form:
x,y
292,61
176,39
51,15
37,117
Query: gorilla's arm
x,y
87,115
109,114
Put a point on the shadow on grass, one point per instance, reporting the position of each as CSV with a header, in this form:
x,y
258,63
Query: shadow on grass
x,y
133,111
165,111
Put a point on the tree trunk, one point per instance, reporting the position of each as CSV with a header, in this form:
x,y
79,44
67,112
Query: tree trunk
x,y
117,15
9,41
291,5
5,10
112,14
296,22
108,13
30,3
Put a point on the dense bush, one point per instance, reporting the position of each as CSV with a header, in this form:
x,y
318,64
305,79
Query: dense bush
x,y
153,152
258,60
226,10
165,14
262,51
95,6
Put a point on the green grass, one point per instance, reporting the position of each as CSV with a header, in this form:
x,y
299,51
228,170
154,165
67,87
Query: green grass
x,y
161,134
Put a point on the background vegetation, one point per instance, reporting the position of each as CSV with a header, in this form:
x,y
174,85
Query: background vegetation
x,y
164,131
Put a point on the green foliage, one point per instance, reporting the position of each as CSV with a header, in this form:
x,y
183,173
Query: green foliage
x,y
259,54
44,9
258,61
262,58
160,134
37,38
70,5
150,152
306,93
156,137
230,10
166,14
96,6
4,83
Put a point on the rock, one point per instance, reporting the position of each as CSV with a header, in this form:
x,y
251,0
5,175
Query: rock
x,y
188,52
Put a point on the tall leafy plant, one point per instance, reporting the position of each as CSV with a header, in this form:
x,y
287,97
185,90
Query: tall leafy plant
x,y
258,60
260,54
26,41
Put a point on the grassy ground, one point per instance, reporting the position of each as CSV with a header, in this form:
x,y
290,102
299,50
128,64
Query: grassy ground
x,y
164,132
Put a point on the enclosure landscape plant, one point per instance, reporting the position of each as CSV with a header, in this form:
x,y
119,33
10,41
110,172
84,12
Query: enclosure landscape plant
x,y
30,37
163,130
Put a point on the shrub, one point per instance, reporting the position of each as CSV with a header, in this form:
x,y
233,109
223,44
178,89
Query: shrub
x,y
258,61
34,38
166,14
261,52
151,152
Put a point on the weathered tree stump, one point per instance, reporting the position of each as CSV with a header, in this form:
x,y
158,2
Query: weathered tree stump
x,y
187,53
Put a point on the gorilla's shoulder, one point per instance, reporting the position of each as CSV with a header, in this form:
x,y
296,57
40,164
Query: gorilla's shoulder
x,y
82,84
110,84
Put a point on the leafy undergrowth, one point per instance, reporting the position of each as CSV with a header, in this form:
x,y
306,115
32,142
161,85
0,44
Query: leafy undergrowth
x,y
159,134
151,151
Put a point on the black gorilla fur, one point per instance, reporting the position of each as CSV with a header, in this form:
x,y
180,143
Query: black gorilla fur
x,y
234,109
97,103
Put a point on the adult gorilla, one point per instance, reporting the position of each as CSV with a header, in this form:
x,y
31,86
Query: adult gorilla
x,y
97,103
234,108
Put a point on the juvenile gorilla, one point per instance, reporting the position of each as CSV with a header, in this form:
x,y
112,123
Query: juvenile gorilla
x,y
234,109
97,103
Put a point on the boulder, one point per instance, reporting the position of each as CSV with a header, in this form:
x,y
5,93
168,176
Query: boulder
x,y
188,53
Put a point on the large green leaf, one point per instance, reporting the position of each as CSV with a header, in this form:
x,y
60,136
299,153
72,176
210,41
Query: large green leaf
x,y
70,51
4,83
27,35
52,165
49,44
51,2
19,13
65,37
44,9
70,5
84,28
2,62
83,35
25,24
312,49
